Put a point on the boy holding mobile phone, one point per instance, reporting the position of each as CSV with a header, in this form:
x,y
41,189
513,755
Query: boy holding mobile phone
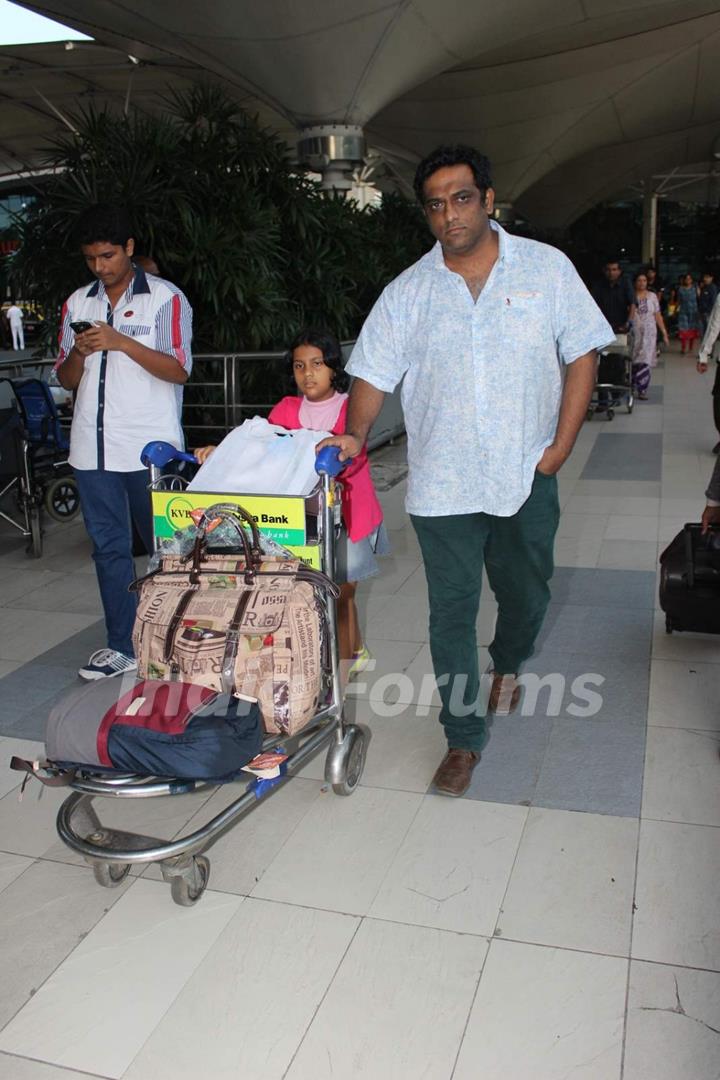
x,y
125,349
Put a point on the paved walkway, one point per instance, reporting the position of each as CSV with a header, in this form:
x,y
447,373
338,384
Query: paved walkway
x,y
561,921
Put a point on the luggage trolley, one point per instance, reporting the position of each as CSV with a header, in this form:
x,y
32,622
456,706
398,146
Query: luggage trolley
x,y
614,380
112,852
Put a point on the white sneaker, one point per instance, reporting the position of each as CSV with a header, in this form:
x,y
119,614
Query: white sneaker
x,y
106,664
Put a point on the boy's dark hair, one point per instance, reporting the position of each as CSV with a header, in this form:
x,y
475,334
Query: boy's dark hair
x,y
329,346
444,156
104,223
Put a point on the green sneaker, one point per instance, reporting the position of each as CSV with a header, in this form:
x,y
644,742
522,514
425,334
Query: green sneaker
x,y
359,662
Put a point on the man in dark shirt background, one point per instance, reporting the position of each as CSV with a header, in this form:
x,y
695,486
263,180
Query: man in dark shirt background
x,y
707,295
615,297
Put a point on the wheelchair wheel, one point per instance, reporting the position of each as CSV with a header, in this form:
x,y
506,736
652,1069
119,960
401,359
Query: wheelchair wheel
x,y
34,547
62,499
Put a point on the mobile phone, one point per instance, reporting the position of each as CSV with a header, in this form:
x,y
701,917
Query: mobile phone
x,y
81,326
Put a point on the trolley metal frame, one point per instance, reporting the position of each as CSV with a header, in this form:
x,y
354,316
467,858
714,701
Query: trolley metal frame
x,y
113,852
616,392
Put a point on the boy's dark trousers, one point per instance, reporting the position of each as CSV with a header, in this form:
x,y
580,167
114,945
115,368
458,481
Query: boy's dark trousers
x,y
517,553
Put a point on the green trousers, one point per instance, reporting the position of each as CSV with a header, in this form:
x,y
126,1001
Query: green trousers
x,y
517,553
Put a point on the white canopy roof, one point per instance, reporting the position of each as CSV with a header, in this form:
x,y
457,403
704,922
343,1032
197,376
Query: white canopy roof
x,y
572,100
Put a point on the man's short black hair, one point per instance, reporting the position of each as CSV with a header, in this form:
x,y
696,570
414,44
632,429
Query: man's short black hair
x,y
104,223
445,156
611,262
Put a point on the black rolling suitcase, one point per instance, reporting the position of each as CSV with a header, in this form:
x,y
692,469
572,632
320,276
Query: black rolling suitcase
x,y
690,581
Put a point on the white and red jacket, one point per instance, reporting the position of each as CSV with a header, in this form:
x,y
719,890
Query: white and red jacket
x,y
120,406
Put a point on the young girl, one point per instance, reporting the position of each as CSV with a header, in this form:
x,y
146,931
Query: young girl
x,y
315,362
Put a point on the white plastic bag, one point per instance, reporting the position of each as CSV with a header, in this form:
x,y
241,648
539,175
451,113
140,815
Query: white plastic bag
x,y
259,458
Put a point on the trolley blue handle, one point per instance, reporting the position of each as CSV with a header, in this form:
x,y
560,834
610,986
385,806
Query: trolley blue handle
x,y
162,453
328,461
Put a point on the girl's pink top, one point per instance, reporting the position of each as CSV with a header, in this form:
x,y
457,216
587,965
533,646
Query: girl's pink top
x,y
361,510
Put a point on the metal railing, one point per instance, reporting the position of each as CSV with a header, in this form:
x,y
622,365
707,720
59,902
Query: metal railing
x,y
226,388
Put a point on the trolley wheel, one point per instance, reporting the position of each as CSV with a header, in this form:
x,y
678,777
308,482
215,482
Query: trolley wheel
x,y
187,889
346,760
589,414
610,414
62,499
34,547
668,625
110,875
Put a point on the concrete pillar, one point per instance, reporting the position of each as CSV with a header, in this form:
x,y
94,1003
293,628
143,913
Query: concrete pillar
x,y
649,231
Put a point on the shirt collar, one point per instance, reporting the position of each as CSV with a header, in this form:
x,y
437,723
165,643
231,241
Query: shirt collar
x,y
139,284
505,247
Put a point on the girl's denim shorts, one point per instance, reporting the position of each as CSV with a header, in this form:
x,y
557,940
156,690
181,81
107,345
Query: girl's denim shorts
x,y
356,561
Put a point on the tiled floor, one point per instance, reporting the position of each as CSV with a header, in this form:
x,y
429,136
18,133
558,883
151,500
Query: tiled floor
x,y
559,922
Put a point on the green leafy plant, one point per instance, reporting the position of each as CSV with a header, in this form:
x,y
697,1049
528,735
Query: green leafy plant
x,y
259,249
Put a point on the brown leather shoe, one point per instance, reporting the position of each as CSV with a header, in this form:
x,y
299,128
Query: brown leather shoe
x,y
504,694
453,776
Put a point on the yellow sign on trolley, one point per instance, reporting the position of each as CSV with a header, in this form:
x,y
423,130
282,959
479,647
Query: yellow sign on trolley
x,y
280,517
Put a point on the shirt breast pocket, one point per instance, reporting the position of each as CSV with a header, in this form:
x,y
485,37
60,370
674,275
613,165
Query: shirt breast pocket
x,y
135,330
525,315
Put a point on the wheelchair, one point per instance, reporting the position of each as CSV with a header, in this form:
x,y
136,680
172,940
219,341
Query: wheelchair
x,y
33,463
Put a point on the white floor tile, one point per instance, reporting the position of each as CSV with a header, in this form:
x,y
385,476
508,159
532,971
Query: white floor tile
x,y
631,527
684,694
572,883
676,895
681,776
591,504
582,526
683,646
241,856
389,658
405,618
27,827
396,1007
672,1023
684,509
545,1014
22,582
341,850
44,913
16,1068
394,572
99,1007
246,1008
452,869
11,747
628,554
405,750
11,867
582,552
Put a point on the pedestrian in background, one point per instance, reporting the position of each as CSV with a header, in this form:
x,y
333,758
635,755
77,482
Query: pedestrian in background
x,y
15,318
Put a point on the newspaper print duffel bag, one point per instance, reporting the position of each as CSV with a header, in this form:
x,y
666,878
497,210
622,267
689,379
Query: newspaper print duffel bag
x,y
245,624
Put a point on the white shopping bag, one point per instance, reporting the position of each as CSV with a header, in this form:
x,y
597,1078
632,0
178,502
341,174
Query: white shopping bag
x,y
259,458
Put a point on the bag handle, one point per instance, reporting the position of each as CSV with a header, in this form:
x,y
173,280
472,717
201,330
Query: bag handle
x,y
214,515
231,512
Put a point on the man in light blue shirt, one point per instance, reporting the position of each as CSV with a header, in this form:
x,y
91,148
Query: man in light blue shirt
x,y
495,339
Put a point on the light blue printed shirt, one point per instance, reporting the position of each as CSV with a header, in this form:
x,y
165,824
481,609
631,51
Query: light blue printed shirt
x,y
482,380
